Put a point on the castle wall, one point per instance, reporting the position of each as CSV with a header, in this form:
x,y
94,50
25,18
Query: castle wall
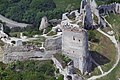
x,y
20,53
21,56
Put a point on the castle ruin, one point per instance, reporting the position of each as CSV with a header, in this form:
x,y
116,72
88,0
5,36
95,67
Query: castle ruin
x,y
75,46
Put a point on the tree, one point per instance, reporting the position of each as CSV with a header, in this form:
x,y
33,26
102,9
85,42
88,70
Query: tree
x,y
91,35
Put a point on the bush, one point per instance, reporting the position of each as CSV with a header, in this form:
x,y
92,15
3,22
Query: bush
x,y
28,70
60,77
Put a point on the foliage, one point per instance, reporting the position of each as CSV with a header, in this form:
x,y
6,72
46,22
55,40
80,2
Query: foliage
x,y
31,11
92,36
106,49
51,33
28,70
60,77
64,60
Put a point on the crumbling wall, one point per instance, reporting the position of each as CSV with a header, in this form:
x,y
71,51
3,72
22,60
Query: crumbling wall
x,y
53,43
20,53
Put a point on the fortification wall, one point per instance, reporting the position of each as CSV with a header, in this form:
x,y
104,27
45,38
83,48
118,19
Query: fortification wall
x,y
14,53
21,56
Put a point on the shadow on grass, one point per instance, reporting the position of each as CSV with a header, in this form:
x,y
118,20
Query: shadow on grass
x,y
98,58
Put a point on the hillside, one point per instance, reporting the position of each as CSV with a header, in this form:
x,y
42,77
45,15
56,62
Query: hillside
x,y
101,47
31,11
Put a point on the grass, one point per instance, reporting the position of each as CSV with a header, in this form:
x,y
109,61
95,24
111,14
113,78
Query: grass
x,y
59,58
51,33
107,29
104,48
73,4
37,42
62,59
114,20
114,75
100,2
15,34
96,72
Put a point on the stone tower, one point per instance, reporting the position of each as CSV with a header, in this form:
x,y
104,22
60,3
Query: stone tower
x,y
75,46
44,23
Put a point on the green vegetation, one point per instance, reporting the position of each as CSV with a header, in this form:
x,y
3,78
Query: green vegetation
x,y
51,33
31,11
92,36
103,52
48,29
15,34
37,42
28,70
28,33
114,75
114,20
60,77
64,60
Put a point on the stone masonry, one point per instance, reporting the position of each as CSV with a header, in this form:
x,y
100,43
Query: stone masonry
x,y
75,46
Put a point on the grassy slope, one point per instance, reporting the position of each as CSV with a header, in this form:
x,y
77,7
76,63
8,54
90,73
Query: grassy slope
x,y
114,20
114,75
106,48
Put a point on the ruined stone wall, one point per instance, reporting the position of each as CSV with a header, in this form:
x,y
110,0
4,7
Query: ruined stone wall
x,y
21,56
14,53
20,53
75,45
53,46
